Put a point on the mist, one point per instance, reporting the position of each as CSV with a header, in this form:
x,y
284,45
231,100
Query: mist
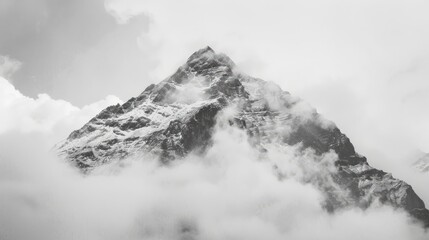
x,y
361,64
231,192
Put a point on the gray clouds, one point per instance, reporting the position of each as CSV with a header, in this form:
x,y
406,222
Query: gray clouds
x,y
73,50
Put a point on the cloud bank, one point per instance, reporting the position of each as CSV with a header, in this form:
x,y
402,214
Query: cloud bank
x,y
230,193
43,114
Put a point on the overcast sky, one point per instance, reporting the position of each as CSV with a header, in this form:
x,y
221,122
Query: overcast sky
x,y
363,64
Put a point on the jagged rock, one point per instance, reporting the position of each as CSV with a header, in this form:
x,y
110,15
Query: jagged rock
x,y
171,122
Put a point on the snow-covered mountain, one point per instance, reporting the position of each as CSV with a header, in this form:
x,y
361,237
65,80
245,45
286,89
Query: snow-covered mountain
x,y
177,116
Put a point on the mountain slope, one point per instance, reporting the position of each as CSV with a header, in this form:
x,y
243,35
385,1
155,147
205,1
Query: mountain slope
x,y
176,117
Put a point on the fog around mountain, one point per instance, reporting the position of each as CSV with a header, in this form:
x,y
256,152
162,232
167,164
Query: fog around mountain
x,y
363,65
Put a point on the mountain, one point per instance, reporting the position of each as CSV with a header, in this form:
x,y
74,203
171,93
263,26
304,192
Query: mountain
x,y
176,117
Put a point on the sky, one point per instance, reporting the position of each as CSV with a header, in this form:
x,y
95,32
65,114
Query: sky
x,y
362,64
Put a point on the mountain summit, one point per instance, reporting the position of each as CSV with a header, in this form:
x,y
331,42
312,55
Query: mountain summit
x,y
177,116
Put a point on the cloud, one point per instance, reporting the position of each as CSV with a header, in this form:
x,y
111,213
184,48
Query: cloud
x,y
8,66
352,61
216,196
349,60
356,62
73,50
43,114
189,92
287,38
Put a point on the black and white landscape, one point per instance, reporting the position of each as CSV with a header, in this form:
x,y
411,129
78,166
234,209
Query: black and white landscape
x,y
214,119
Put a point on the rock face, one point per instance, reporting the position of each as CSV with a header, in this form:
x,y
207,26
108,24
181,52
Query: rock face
x,y
177,116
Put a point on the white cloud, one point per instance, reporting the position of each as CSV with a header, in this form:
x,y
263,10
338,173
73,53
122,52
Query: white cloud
x,y
362,64
228,194
8,66
190,92
43,114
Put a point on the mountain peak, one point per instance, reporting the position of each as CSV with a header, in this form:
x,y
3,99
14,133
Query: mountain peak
x,y
206,49
202,51
207,58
